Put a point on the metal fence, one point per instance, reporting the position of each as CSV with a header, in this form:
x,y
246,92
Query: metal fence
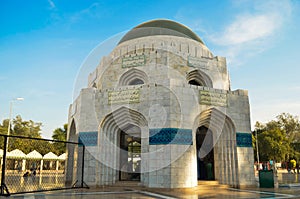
x,y
34,164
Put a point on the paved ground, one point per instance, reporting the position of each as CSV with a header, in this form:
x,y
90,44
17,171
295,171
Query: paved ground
x,y
146,193
208,191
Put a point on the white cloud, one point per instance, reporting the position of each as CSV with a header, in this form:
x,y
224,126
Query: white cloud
x,y
294,88
51,3
247,28
93,11
252,33
255,26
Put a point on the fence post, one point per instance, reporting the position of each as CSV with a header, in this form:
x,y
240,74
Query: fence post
x,y
3,185
82,166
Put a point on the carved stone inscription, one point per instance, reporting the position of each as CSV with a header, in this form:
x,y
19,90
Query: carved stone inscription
x,y
213,98
196,62
133,61
124,96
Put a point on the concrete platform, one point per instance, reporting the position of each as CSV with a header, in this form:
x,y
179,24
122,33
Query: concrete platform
x,y
131,190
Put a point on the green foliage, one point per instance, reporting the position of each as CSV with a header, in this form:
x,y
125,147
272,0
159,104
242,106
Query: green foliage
x,y
26,128
3,131
61,135
31,129
277,138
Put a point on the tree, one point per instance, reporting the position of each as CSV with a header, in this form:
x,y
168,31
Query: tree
x,y
290,126
29,129
3,131
277,139
60,134
273,144
23,128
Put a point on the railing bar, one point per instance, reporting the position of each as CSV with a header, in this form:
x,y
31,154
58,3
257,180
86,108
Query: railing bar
x,y
43,139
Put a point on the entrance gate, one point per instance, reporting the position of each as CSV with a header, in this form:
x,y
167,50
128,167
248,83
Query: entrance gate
x,y
130,157
205,154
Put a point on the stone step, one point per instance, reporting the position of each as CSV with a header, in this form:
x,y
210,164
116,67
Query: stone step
x,y
206,184
127,184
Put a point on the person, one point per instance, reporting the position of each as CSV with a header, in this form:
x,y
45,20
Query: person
x,y
265,166
136,174
33,172
26,174
20,168
289,166
293,165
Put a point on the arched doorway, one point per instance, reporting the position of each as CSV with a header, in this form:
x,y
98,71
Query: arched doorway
x,y
123,134
199,78
130,155
72,155
205,154
219,143
133,77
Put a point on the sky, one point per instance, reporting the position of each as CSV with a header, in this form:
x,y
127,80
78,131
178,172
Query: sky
x,y
43,45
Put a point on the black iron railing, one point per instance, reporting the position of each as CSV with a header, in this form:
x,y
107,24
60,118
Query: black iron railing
x,y
36,164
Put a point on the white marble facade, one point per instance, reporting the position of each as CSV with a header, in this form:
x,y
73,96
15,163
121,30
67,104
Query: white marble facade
x,y
163,88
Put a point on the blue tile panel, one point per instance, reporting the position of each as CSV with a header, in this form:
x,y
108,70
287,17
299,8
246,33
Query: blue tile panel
x,y
170,136
88,138
244,139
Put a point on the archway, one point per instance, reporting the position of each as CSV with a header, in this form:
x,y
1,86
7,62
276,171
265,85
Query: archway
x,y
133,77
136,81
220,140
205,162
130,153
123,135
72,155
199,78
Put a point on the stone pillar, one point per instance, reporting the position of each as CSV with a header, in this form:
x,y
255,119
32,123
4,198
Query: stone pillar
x,y
70,165
23,165
57,164
41,167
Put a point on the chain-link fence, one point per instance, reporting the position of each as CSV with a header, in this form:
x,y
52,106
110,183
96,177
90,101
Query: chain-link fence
x,y
34,164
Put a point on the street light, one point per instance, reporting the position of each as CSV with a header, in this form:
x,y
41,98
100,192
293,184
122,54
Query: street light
x,y
257,153
3,187
10,115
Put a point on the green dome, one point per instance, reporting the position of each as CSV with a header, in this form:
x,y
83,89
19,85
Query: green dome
x,y
160,27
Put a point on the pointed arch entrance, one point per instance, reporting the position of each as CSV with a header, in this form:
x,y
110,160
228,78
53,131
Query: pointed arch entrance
x,y
205,162
123,136
72,155
133,77
216,147
130,153
199,78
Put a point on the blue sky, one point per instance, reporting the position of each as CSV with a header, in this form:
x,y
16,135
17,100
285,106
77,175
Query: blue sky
x,y
44,43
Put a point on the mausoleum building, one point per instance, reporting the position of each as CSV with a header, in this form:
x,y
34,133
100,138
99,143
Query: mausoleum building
x,y
159,110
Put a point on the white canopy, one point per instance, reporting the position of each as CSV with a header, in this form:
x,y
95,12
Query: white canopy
x,y
62,156
34,155
50,156
16,154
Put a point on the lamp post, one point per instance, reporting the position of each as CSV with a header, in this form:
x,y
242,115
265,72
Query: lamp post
x,y
10,115
257,153
3,187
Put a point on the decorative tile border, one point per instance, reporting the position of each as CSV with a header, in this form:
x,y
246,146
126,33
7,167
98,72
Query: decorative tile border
x,y
88,138
170,136
244,139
